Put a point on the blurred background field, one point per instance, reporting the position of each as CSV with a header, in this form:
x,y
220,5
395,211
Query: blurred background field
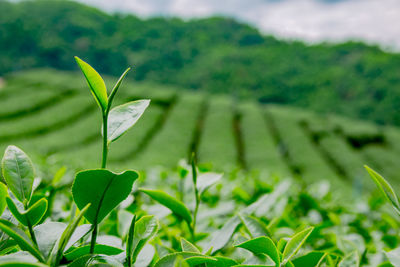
x,y
239,98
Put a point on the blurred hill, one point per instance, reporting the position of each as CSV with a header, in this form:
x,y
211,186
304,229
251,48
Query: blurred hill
x,y
217,55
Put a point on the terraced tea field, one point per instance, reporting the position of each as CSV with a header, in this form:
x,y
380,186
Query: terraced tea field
x,y
50,116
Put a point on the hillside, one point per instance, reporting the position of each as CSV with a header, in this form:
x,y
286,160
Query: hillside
x,y
49,114
217,55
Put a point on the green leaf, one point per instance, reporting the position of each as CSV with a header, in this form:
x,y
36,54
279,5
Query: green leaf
x,y
262,245
3,195
187,246
18,172
16,263
314,258
47,235
350,260
98,249
65,239
32,216
295,243
385,187
145,228
123,117
116,87
222,262
254,226
177,207
206,180
95,260
170,259
20,238
222,236
103,189
394,256
129,242
95,82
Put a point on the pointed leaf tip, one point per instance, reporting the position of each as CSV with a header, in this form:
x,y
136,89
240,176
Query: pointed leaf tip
x,y
95,82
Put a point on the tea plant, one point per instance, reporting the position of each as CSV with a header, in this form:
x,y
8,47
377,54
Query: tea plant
x,y
192,217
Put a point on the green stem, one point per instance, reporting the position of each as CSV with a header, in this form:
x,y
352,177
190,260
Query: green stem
x,y
94,237
30,228
105,143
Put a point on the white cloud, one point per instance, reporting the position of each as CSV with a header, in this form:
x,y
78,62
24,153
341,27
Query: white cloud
x,y
374,21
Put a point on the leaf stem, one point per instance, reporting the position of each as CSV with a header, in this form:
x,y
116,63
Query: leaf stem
x,y
94,237
30,228
197,196
105,142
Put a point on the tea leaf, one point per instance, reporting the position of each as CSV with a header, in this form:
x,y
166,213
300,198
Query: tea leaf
x,y
3,195
206,180
295,243
221,237
314,258
116,87
95,260
394,256
350,260
262,245
255,227
385,187
98,249
187,246
95,82
145,228
18,172
20,238
103,189
177,207
47,235
32,216
170,259
123,117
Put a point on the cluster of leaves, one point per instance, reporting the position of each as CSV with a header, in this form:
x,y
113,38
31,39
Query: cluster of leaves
x,y
238,224
217,55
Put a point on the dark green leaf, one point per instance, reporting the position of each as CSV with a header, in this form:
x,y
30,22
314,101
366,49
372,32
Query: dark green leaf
x,y
18,172
123,117
170,259
295,243
95,260
313,258
20,238
262,245
95,82
177,207
32,216
98,249
103,189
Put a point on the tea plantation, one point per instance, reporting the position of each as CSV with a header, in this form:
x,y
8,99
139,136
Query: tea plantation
x,y
50,116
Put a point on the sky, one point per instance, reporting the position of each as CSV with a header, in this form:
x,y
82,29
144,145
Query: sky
x,y
371,21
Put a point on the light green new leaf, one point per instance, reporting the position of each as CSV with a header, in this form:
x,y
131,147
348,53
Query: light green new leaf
x,y
385,187
187,246
3,195
394,256
18,172
177,207
123,117
95,82
295,243
145,228
206,180
20,238
116,87
314,258
103,189
350,260
32,216
262,245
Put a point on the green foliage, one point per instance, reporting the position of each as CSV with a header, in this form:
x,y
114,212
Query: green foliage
x,y
3,195
262,245
103,189
18,172
31,216
294,244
